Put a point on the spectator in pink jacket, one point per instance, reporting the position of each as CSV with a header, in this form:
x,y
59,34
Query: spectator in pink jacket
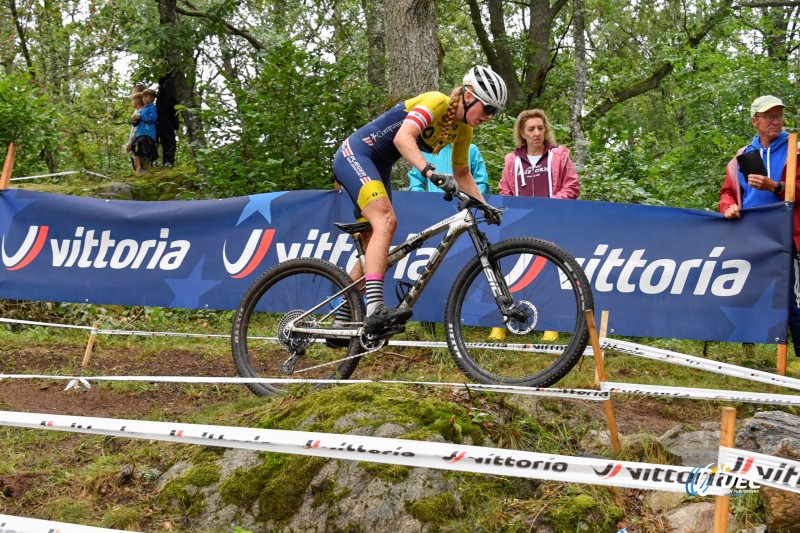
x,y
538,167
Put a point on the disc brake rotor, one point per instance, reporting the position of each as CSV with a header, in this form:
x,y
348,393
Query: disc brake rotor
x,y
523,318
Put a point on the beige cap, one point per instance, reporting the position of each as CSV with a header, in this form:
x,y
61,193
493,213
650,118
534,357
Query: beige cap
x,y
763,103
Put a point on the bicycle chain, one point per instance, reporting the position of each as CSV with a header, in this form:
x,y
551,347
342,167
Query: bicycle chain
x,y
380,345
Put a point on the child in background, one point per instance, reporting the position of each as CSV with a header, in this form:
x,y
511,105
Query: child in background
x,y
138,104
145,122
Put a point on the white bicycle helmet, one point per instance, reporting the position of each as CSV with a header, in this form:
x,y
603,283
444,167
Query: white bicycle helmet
x,y
487,85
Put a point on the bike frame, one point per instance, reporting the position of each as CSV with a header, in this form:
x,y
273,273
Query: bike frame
x,y
453,227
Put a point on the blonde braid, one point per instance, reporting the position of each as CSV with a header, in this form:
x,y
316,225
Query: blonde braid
x,y
449,118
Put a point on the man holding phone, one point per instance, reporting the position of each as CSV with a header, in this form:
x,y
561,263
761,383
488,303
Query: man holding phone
x,y
761,186
754,177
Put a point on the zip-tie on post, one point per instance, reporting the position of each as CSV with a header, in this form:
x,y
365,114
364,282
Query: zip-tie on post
x,y
88,354
603,334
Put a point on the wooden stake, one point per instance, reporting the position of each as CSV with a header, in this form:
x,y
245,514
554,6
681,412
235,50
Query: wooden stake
x,y
791,188
727,435
8,167
603,333
791,168
782,349
601,373
87,356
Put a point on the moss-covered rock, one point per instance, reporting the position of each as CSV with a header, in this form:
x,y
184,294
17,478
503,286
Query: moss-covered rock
x,y
183,492
567,516
436,509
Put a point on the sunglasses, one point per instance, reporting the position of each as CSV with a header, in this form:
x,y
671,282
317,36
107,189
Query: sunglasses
x,y
489,109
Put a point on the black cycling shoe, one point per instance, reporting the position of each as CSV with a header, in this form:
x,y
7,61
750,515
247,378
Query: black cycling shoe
x,y
386,321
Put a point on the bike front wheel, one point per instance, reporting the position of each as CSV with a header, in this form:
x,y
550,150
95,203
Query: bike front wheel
x,y
546,333
296,293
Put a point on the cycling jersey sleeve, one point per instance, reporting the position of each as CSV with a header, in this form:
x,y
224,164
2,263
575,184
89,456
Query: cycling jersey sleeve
x,y
461,145
427,112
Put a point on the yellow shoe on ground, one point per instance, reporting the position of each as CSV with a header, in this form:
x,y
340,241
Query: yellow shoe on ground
x,y
498,334
550,336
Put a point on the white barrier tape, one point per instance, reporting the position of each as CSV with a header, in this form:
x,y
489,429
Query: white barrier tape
x,y
539,348
443,456
76,381
34,323
162,334
700,363
700,394
763,469
17,524
67,173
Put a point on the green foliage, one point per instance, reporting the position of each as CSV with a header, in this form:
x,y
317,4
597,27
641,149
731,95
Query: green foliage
x,y
290,122
28,119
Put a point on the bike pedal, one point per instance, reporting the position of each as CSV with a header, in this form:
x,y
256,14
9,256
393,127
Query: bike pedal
x,y
385,333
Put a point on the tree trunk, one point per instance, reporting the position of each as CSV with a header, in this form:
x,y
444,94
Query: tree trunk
x,y
775,39
537,61
184,86
579,142
23,41
374,12
412,63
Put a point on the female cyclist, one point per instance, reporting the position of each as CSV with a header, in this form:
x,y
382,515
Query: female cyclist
x,y
363,164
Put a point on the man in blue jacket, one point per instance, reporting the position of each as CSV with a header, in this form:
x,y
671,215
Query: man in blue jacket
x,y
743,192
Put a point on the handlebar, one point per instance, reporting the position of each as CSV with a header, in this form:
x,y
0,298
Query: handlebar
x,y
492,214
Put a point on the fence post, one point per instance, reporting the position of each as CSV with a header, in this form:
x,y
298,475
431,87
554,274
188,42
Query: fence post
x,y
8,167
601,374
87,355
727,433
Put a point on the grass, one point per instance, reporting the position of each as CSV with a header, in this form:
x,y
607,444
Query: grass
x,y
72,477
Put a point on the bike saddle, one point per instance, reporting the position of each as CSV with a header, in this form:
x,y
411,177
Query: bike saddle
x,y
354,227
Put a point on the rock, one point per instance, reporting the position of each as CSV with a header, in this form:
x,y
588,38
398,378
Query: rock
x,y
115,191
775,433
595,441
758,529
125,475
694,518
660,502
781,509
770,431
692,448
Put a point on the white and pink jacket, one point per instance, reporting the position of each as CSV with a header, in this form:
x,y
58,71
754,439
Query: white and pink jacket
x,y
561,171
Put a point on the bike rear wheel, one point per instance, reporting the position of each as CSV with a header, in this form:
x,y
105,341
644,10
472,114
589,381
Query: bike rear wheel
x,y
261,340
547,334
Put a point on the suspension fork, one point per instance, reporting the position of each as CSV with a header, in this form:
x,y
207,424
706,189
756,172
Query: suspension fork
x,y
494,276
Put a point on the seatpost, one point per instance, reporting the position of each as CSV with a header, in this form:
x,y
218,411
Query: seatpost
x,y
360,251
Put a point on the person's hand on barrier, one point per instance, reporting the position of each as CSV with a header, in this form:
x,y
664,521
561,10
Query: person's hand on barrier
x,y
732,212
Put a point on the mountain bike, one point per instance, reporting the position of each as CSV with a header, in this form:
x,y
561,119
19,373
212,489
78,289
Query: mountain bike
x,y
284,325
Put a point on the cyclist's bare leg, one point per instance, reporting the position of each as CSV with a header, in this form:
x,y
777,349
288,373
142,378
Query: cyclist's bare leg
x,y
380,214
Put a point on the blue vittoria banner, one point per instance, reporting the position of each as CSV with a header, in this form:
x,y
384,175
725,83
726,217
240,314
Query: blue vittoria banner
x,y
661,272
